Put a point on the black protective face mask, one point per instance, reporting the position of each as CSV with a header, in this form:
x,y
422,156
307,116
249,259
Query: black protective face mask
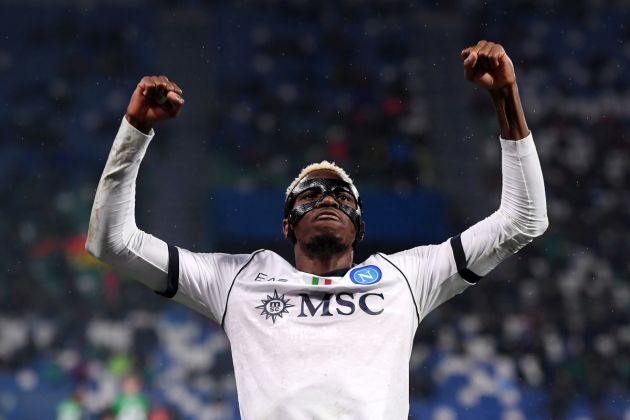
x,y
321,187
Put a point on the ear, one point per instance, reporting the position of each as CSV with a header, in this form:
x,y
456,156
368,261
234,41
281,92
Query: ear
x,y
285,228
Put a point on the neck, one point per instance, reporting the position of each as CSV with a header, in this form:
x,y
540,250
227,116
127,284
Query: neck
x,y
321,264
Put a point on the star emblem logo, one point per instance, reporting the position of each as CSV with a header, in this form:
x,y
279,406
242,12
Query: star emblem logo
x,y
274,306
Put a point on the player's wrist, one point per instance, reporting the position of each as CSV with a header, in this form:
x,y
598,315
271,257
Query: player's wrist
x,y
139,124
510,115
509,90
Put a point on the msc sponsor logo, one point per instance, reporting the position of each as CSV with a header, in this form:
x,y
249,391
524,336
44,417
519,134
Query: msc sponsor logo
x,y
274,306
323,304
343,304
369,274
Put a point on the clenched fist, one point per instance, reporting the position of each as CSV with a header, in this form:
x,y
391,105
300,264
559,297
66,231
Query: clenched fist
x,y
487,65
155,99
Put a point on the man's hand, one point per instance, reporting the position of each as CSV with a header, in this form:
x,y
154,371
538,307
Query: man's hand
x,y
155,99
487,65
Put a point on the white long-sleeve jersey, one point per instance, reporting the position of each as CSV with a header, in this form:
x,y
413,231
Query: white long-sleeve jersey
x,y
307,346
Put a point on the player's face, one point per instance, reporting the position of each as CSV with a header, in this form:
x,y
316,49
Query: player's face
x,y
327,218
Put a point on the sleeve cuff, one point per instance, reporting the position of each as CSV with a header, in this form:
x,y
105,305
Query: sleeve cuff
x,y
132,131
518,148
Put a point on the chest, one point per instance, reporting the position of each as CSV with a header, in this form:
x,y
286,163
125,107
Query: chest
x,y
268,296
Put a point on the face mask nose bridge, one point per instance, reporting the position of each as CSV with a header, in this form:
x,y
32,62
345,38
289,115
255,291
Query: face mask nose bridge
x,y
325,193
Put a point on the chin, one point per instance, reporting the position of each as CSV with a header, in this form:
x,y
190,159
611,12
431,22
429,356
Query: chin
x,y
326,243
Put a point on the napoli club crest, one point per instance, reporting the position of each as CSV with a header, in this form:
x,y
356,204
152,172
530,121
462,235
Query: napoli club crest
x,y
274,306
369,274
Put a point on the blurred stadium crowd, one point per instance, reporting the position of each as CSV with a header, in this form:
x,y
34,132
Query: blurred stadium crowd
x,y
545,336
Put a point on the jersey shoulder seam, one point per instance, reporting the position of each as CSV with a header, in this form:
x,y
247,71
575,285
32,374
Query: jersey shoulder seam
x,y
227,298
413,298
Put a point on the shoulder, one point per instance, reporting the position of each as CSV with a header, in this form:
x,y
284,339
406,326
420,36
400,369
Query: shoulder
x,y
259,257
415,252
410,260
219,261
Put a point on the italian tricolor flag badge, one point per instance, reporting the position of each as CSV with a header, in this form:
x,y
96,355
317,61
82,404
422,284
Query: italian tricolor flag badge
x,y
318,281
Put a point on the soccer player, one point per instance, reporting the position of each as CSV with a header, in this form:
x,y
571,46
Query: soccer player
x,y
328,337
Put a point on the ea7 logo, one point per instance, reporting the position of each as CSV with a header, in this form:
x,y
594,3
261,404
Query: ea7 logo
x,y
342,304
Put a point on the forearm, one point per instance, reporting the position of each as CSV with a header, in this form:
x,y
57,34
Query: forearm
x,y
522,215
113,235
510,114
523,198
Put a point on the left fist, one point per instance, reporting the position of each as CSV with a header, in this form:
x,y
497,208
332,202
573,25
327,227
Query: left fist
x,y
487,65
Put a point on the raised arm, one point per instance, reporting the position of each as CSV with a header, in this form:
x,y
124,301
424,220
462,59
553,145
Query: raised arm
x,y
522,215
113,236
523,201
441,271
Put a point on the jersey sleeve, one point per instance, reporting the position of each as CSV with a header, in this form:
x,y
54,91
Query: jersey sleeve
x,y
113,236
200,281
438,272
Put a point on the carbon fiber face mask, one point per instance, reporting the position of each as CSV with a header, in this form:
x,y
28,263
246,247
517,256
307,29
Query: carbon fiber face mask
x,y
320,188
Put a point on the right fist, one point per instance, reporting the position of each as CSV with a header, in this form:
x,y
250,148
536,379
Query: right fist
x,y
155,99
